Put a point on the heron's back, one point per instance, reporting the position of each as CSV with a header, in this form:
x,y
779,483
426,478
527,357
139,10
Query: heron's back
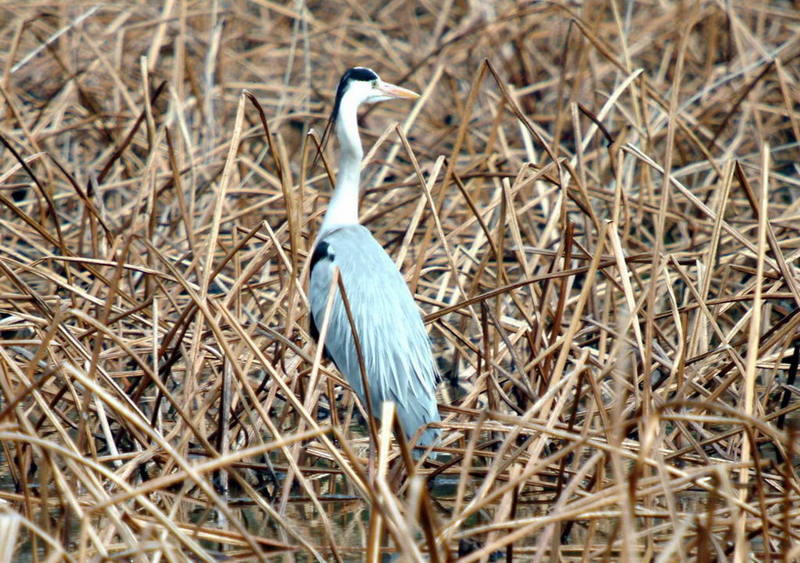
x,y
395,346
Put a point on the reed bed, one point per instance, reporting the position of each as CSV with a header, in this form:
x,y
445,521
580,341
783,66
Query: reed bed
x,y
594,204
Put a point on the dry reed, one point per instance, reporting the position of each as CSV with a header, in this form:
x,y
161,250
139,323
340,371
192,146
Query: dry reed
x,y
593,203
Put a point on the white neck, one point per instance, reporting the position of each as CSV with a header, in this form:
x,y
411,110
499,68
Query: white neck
x,y
343,207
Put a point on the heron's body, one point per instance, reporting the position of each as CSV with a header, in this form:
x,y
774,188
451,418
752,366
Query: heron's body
x,y
394,344
396,349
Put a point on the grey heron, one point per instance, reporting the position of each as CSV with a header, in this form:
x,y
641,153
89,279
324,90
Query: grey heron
x,y
394,344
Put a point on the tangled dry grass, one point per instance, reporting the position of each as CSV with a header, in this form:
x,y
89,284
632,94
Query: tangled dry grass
x,y
594,204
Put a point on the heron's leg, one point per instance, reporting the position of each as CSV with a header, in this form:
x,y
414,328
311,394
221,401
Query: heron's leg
x,y
372,458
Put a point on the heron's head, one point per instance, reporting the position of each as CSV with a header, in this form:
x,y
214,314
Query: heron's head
x,y
361,85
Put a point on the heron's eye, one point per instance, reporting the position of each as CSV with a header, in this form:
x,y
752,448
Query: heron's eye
x,y
374,83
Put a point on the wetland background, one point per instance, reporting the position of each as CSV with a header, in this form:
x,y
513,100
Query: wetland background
x,y
618,344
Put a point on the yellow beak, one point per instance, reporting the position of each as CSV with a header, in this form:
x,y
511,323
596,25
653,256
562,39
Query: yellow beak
x,y
397,91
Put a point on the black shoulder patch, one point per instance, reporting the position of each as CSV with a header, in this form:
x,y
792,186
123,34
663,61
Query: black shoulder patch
x,y
322,251
355,73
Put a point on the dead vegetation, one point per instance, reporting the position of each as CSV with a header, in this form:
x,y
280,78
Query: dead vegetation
x,y
619,345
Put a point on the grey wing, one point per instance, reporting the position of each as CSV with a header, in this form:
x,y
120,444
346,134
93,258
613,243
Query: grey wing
x,y
394,344
322,252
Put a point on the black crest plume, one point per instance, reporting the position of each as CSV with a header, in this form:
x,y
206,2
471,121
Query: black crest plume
x,y
356,73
